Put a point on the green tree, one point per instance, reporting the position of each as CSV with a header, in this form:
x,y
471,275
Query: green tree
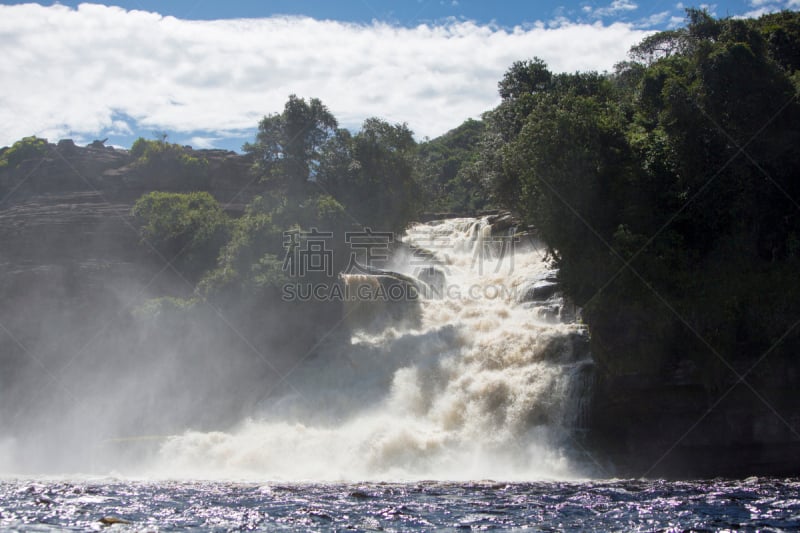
x,y
187,228
372,174
170,165
524,78
288,146
684,163
574,171
781,32
445,169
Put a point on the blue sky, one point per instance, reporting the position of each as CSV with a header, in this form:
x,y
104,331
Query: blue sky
x,y
413,12
205,72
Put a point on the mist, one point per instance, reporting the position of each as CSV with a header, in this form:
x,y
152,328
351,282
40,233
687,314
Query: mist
x,y
104,379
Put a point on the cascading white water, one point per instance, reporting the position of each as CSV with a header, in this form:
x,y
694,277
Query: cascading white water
x,y
480,387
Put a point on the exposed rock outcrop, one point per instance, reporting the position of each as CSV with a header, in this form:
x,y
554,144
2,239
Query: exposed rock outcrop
x,y
655,413
73,269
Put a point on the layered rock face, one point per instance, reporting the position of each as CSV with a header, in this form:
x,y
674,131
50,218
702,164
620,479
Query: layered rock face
x,y
73,273
66,224
736,417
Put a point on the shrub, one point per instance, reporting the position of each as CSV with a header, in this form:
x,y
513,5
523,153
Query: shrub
x,y
22,150
190,228
173,161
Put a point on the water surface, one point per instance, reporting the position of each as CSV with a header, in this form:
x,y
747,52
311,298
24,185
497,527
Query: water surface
x,y
719,505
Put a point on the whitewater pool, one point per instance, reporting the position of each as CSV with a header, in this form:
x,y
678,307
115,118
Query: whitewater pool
x,y
96,504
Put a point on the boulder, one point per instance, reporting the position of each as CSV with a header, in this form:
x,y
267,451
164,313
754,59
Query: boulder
x,y
66,146
501,222
538,291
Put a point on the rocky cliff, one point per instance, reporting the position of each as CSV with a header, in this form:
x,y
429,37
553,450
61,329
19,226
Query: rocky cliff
x,y
74,274
730,415
67,231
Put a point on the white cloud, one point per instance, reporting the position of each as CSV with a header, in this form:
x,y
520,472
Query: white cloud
x,y
763,7
755,13
614,8
77,71
711,8
120,127
203,142
676,22
559,21
656,19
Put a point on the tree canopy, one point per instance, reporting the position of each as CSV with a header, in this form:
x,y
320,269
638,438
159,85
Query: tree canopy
x,y
651,183
288,146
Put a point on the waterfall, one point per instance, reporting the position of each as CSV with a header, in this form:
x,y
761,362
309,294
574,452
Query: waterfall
x,y
486,382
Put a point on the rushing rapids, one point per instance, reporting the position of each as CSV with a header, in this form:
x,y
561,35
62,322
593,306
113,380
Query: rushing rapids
x,y
483,380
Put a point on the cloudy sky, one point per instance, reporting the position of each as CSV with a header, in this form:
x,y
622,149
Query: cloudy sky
x,y
205,72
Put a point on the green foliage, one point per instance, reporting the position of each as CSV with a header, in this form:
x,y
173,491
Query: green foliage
x,y
151,153
447,166
325,211
659,46
25,149
372,174
384,192
288,146
187,228
246,260
174,166
318,177
575,179
157,308
142,145
781,32
684,158
525,78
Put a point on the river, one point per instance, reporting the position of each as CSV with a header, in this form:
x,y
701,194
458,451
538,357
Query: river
x,y
89,504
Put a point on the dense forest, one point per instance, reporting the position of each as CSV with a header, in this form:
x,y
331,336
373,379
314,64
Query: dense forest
x,y
666,190
668,193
